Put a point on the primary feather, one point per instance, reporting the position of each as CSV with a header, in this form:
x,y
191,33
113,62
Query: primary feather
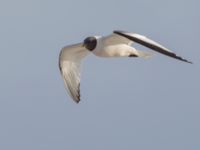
x,y
70,64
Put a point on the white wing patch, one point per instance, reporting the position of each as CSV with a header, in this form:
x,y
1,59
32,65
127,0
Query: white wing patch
x,y
71,75
115,39
144,38
69,64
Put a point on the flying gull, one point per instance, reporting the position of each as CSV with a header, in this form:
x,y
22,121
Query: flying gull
x,y
118,44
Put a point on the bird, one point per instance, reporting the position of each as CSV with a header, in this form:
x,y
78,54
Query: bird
x,y
117,44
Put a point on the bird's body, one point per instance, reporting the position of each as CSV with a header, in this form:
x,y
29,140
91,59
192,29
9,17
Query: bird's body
x,y
118,44
114,51
109,48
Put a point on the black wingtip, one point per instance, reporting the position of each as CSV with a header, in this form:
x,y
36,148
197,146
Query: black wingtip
x,y
78,98
151,46
77,101
189,62
182,59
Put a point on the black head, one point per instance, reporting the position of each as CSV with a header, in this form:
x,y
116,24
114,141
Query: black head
x,y
90,43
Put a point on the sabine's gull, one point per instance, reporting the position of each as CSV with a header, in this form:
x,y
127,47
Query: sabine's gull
x,y
118,44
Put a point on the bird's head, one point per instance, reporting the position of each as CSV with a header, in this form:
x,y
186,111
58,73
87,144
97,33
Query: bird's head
x,y
90,43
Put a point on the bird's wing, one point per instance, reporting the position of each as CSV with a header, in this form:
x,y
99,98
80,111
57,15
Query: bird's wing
x,y
69,64
115,39
150,44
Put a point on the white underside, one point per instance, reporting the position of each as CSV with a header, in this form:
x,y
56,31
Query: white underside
x,y
113,45
119,50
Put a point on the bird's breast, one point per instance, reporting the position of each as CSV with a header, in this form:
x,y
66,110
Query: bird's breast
x,y
113,51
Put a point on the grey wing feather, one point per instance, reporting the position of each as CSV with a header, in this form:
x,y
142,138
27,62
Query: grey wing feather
x,y
69,64
115,39
150,44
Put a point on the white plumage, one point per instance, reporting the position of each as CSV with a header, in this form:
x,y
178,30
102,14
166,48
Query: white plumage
x,y
118,44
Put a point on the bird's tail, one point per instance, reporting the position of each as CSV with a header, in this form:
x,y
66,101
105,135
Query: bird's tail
x,y
143,54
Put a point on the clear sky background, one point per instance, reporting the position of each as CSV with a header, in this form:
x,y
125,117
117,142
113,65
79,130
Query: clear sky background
x,y
127,103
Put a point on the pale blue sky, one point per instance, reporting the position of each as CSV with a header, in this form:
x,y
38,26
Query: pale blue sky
x,y
126,103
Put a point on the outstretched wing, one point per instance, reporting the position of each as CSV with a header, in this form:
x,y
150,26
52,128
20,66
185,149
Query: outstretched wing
x,y
69,64
150,44
115,39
